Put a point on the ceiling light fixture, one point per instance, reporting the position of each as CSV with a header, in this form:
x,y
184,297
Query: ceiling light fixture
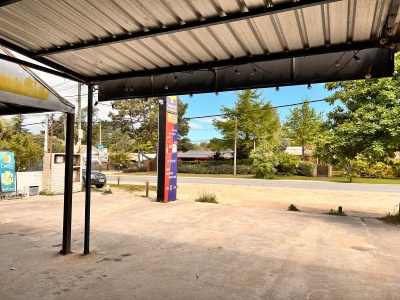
x,y
309,87
277,89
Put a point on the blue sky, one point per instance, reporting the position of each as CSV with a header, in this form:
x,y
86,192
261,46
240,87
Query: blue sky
x,y
210,104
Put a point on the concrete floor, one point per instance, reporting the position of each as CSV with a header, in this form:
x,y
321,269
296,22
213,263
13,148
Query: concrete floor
x,y
141,249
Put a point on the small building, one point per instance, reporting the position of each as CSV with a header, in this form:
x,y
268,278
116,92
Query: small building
x,y
296,150
53,177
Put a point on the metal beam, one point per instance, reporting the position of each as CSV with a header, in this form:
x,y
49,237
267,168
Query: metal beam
x,y
63,70
68,187
88,178
37,67
7,2
241,61
254,13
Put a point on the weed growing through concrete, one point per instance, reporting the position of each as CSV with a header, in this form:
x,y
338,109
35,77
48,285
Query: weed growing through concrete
x,y
46,193
134,187
206,197
391,219
336,213
293,207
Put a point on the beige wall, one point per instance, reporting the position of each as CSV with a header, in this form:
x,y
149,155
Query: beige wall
x,y
54,174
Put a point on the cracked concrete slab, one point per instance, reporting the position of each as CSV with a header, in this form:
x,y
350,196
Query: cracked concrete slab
x,y
141,249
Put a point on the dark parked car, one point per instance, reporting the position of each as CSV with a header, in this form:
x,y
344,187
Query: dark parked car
x,y
98,178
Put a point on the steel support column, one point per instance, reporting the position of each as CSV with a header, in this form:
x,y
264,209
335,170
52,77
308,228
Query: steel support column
x,y
88,169
69,161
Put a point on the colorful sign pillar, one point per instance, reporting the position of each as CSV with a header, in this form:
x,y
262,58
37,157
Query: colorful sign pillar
x,y
167,166
7,172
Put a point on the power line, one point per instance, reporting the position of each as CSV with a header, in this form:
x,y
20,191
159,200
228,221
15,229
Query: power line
x,y
253,110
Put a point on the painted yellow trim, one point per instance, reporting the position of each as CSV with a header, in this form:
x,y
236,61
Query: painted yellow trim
x,y
28,87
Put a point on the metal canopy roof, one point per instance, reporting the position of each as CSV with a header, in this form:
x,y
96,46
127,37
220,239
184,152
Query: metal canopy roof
x,y
138,47
22,91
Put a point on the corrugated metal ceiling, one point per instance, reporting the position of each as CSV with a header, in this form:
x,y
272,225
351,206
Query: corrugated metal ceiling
x,y
98,38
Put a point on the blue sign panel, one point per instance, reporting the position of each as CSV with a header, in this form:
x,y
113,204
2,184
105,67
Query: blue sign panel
x,y
167,150
7,172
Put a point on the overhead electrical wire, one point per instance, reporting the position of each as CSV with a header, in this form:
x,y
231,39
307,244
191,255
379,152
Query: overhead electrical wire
x,y
253,110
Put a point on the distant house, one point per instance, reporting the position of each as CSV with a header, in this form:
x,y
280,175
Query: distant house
x,y
192,155
296,150
95,154
135,157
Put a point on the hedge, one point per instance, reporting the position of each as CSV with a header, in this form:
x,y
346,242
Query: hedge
x,y
211,167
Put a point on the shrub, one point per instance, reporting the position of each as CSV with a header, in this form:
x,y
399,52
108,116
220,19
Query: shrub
x,y
211,167
305,168
395,164
207,197
287,163
264,166
244,161
135,169
364,168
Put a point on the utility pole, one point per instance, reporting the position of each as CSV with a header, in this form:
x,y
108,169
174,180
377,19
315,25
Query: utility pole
x,y
79,117
235,146
51,138
100,158
46,134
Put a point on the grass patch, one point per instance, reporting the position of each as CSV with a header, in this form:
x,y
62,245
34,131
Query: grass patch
x,y
243,176
134,187
336,213
206,197
293,207
335,178
340,179
296,177
390,219
46,193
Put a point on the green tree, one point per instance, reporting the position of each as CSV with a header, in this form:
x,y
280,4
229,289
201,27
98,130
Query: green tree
x,y
27,152
13,137
119,158
250,120
264,163
365,123
139,119
17,124
118,141
303,125
184,144
58,146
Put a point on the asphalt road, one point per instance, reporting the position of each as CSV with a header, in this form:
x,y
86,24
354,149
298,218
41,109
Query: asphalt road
x,y
293,184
